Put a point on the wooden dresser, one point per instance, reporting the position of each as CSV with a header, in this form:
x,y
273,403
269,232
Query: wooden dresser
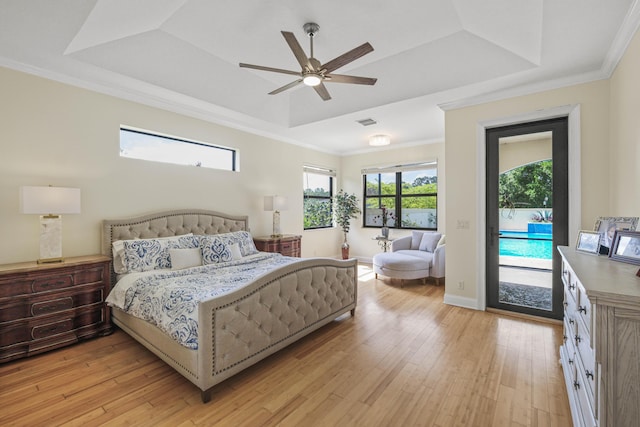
x,y
601,352
287,244
46,306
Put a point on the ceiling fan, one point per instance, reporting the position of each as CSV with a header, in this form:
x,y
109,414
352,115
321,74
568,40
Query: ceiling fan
x,y
313,72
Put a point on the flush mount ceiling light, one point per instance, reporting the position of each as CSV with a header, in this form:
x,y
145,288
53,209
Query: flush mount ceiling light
x,y
379,140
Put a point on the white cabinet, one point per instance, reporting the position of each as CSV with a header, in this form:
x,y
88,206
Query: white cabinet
x,y
600,355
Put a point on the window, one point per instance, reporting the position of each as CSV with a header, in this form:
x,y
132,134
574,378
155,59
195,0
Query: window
x,y
145,145
408,192
318,191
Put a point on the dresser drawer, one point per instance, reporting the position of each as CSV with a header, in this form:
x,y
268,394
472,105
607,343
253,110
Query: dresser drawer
x,y
50,326
40,282
585,397
23,307
583,307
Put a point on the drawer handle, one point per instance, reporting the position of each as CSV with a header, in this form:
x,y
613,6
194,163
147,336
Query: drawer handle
x,y
50,329
570,361
578,339
576,385
582,309
572,286
572,321
56,283
566,304
588,374
564,338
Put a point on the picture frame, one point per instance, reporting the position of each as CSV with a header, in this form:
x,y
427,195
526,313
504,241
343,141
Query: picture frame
x,y
588,241
626,247
607,226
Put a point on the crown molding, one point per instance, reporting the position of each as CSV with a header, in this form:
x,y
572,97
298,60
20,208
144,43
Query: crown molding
x,y
621,42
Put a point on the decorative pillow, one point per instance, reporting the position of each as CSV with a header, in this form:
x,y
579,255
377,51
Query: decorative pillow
x,y
153,254
429,241
185,258
243,239
118,251
416,238
441,241
217,248
214,250
235,251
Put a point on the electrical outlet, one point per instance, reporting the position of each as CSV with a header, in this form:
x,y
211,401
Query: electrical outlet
x,y
462,224
461,285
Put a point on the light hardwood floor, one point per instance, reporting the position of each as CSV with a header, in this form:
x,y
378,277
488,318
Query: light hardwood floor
x,y
405,359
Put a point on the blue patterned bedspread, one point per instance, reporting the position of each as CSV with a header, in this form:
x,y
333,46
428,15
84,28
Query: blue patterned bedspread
x,y
169,298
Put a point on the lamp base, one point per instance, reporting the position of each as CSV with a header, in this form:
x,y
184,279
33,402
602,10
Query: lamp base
x,y
50,239
276,224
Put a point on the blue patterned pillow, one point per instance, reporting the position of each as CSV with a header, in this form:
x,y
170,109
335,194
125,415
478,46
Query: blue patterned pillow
x,y
153,254
217,248
243,239
214,250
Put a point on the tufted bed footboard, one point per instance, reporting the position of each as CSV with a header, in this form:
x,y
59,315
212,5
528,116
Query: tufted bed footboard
x,y
242,327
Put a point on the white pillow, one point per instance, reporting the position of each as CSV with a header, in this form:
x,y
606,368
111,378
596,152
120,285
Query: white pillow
x,y
235,251
416,238
429,241
118,252
185,258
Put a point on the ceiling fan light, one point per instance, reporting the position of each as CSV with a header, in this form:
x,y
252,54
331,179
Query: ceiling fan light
x,y
312,80
379,140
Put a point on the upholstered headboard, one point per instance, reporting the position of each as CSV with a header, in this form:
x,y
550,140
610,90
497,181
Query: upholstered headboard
x,y
170,223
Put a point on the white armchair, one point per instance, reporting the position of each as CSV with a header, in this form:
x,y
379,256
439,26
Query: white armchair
x,y
431,250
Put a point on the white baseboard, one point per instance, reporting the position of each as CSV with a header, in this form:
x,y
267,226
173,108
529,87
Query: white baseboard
x,y
464,302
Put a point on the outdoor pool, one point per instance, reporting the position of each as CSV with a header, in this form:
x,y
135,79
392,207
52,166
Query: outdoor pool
x,y
524,244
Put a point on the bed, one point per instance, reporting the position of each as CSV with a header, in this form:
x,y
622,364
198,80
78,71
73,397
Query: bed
x,y
242,326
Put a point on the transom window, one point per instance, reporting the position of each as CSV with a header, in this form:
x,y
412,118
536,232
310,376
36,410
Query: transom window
x,y
318,191
409,194
146,145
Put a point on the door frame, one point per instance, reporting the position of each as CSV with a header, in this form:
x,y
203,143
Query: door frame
x,y
572,112
559,128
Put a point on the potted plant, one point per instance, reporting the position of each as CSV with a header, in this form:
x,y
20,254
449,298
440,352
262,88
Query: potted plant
x,y
385,216
345,209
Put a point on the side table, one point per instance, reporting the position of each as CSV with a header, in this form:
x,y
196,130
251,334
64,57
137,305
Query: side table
x,y
383,242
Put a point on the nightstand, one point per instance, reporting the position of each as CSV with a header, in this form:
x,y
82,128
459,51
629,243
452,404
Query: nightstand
x,y
46,306
287,244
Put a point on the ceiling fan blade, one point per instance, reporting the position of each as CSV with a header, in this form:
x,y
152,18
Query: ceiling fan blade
x,y
297,50
345,58
340,78
275,70
321,89
285,87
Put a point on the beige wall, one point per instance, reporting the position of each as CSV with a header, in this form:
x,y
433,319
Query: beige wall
x,y
361,239
624,159
55,134
463,176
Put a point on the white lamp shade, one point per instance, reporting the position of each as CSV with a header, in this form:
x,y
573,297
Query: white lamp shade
x,y
275,203
49,200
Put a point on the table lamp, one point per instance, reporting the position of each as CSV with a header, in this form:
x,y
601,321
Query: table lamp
x,y
275,204
50,203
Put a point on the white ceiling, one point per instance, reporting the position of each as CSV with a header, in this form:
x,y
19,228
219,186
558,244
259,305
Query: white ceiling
x,y
183,55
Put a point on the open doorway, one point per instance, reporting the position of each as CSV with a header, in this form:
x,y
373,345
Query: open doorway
x,y
527,216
